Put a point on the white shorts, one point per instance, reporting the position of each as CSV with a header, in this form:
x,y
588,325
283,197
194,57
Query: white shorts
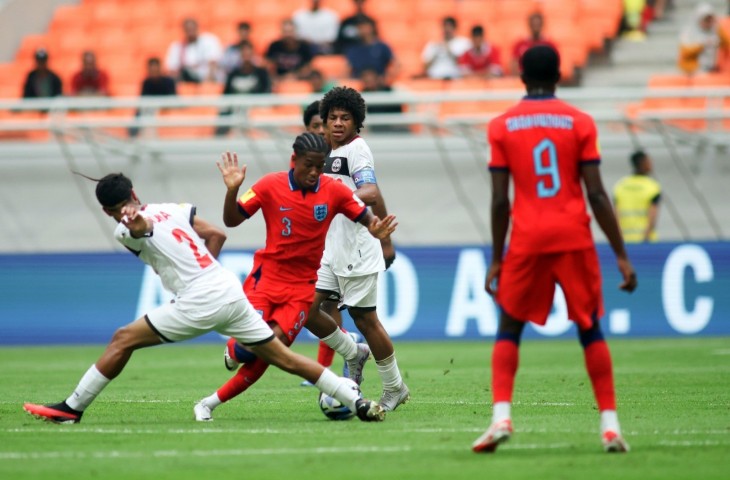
x,y
360,291
237,319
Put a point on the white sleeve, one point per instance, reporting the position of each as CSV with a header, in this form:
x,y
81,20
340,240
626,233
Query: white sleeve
x,y
122,234
363,165
172,60
429,52
213,49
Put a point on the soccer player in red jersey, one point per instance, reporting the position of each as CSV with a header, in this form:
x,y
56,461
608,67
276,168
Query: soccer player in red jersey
x,y
548,148
298,207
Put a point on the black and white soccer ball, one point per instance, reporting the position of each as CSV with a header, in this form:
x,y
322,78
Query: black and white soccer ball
x,y
333,409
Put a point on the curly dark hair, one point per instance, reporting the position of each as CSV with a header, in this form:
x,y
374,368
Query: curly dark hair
x,y
344,98
113,189
309,112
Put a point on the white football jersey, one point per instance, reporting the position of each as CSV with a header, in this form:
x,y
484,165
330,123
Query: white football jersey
x,y
179,256
350,249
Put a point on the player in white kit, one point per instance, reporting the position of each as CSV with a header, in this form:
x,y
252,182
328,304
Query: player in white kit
x,y
353,258
182,249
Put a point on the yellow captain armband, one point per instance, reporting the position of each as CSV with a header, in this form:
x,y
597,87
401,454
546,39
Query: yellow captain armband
x,y
247,196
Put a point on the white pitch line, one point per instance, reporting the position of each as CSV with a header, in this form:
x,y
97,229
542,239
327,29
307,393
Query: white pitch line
x,y
114,454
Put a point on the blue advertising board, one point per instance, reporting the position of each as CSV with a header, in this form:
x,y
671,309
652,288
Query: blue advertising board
x,y
428,294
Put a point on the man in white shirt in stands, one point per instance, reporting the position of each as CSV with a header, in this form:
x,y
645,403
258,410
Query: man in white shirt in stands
x,y
441,58
318,26
195,59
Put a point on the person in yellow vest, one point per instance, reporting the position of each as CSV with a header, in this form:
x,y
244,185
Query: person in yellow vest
x,y
636,198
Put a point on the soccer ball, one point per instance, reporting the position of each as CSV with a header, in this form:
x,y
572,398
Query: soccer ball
x,y
333,409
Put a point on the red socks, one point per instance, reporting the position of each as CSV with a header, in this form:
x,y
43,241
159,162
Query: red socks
x,y
505,358
600,371
325,355
246,376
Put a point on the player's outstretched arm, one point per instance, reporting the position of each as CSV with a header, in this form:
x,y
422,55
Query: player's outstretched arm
x,y
369,193
213,236
603,211
233,178
500,224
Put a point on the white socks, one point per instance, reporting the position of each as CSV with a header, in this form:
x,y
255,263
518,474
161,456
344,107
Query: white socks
x,y
91,385
338,388
501,411
389,373
609,421
212,402
341,343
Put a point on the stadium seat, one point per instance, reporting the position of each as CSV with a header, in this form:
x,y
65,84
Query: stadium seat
x,y
332,66
432,10
517,10
390,9
472,12
71,17
292,87
273,11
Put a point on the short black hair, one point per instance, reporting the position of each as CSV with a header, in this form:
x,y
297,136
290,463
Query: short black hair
x,y
153,61
309,112
637,157
310,142
245,25
541,66
477,30
450,20
344,98
113,189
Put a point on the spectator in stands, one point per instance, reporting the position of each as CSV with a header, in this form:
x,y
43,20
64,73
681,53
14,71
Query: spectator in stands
x,y
636,198
155,84
373,82
535,23
318,26
232,55
348,34
701,41
42,81
482,59
194,59
371,54
90,81
289,56
441,57
319,84
249,78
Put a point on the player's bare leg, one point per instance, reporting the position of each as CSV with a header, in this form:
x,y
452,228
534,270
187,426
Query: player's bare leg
x,y
325,328
325,353
125,341
600,370
505,359
395,391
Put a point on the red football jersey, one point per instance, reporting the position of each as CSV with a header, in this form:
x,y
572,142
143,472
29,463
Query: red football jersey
x,y
296,223
542,142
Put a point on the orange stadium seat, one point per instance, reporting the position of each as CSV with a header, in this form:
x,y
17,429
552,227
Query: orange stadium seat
x,y
472,12
517,10
332,66
292,87
273,11
71,17
390,9
433,10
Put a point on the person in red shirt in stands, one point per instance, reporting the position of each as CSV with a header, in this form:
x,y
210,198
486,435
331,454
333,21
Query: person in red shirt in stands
x,y
535,23
90,80
298,207
482,59
549,149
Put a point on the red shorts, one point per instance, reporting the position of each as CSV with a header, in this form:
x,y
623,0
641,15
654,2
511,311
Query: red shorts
x,y
526,286
285,305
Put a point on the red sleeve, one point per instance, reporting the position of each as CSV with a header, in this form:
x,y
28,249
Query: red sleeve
x,y
589,148
497,160
250,202
75,83
495,56
103,85
464,58
347,203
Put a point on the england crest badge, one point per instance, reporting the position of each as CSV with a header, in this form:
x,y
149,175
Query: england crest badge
x,y
320,212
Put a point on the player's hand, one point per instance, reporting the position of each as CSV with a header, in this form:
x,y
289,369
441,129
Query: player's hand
x,y
627,271
135,223
233,176
382,228
490,284
388,251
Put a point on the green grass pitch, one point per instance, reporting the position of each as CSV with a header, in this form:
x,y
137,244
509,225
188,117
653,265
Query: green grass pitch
x,y
674,405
